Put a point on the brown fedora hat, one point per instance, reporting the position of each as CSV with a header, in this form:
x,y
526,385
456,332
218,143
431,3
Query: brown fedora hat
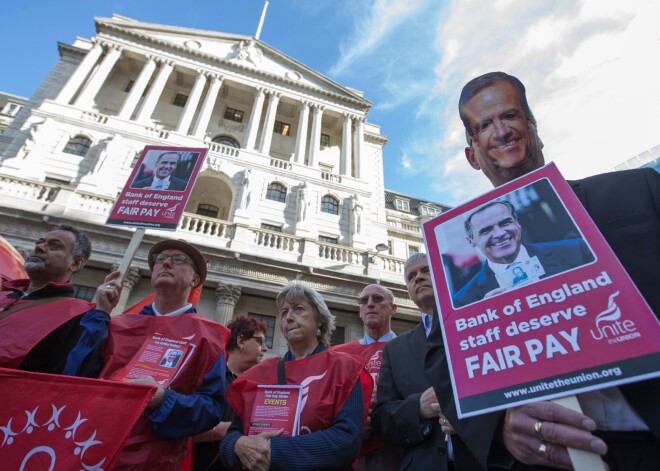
x,y
177,244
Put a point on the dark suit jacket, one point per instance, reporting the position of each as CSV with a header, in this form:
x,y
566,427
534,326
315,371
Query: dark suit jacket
x,y
396,416
555,257
176,184
626,208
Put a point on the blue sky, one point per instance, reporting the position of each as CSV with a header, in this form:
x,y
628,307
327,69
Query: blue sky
x,y
590,66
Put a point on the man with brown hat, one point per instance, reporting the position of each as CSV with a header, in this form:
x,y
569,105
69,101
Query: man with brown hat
x,y
192,401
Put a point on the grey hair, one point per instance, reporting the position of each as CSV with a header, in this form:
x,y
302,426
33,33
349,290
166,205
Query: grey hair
x,y
414,258
83,246
468,221
297,292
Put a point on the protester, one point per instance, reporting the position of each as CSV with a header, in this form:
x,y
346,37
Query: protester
x,y
39,317
377,308
246,348
407,414
192,403
332,416
503,143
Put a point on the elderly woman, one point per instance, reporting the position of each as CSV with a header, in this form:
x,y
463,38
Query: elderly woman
x,y
246,348
332,417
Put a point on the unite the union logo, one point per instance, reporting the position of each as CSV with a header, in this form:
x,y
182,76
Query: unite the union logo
x,y
611,327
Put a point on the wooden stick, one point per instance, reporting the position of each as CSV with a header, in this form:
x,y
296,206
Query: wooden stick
x,y
132,248
582,460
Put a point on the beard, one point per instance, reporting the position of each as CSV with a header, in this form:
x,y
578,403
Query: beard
x,y
34,264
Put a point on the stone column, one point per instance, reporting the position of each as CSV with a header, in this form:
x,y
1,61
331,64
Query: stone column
x,y
301,138
191,104
155,91
132,278
315,144
267,131
80,74
357,147
226,297
255,117
207,107
137,91
346,141
86,97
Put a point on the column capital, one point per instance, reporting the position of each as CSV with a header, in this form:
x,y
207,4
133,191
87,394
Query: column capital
x,y
318,108
274,94
151,57
110,45
227,294
305,103
261,90
165,62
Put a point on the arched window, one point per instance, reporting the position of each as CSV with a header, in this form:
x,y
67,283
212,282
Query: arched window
x,y
226,141
78,145
329,204
204,209
276,192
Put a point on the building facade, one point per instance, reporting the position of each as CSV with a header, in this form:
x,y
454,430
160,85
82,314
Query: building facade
x,y
292,188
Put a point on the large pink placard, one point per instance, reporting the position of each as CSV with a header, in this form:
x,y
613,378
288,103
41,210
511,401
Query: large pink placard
x,y
562,318
158,189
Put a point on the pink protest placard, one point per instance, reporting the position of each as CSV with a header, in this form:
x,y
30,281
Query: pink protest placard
x,y
534,304
158,189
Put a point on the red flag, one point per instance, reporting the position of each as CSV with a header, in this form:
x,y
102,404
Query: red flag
x,y
58,423
11,262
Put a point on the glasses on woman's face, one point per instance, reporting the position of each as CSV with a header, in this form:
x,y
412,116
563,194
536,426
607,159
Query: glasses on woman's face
x,y
260,340
376,298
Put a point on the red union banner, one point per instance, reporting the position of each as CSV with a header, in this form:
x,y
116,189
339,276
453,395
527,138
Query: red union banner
x,y
60,423
547,310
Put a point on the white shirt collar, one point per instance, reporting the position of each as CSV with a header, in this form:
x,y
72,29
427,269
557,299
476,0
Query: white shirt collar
x,y
178,312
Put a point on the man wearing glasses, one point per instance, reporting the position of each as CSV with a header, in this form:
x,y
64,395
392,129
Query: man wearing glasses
x,y
376,304
192,401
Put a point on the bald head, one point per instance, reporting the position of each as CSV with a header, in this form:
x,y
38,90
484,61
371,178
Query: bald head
x,y
376,310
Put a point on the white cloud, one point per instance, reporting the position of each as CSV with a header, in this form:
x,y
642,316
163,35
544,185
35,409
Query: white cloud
x,y
590,68
374,25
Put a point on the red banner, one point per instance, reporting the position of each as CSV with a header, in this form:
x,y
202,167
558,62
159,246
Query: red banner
x,y
51,422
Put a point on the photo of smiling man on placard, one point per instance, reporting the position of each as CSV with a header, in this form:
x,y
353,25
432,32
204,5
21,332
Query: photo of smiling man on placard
x,y
167,170
508,245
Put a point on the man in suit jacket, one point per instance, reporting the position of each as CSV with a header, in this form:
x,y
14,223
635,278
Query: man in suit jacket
x,y
407,413
495,231
503,144
162,179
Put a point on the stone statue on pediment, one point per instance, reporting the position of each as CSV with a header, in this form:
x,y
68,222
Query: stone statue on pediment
x,y
249,52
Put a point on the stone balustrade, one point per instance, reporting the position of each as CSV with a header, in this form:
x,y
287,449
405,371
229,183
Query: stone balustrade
x,y
223,149
391,264
338,253
91,203
27,189
94,117
282,164
276,240
204,225
331,177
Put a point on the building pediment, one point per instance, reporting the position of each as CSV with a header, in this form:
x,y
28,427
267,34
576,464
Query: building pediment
x,y
242,52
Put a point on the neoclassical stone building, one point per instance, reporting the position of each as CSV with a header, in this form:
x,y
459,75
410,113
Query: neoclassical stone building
x,y
292,188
